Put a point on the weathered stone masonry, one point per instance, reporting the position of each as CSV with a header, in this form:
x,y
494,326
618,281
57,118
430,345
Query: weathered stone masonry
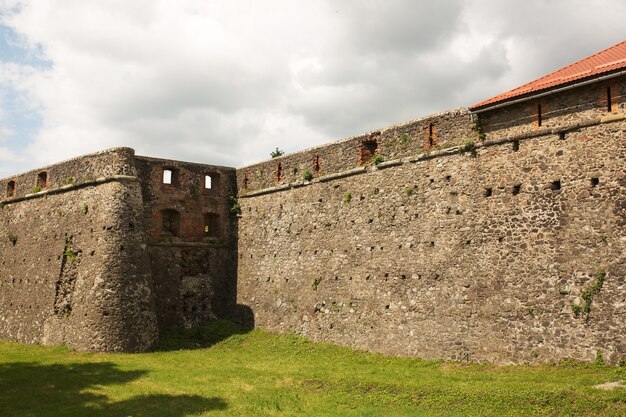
x,y
87,261
479,250
496,235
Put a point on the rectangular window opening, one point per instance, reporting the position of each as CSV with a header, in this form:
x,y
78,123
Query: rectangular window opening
x,y
368,149
11,188
42,180
167,176
170,223
211,225
170,176
207,182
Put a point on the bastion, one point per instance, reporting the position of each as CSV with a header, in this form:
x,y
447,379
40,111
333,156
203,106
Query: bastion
x,y
492,233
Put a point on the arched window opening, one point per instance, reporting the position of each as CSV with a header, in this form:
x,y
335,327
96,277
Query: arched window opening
x,y
170,176
170,223
211,225
211,181
42,180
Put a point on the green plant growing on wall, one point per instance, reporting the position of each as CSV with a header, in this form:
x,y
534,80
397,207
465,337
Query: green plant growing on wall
x,y
294,170
347,197
599,358
467,146
276,153
316,282
85,208
68,252
377,159
410,190
477,126
11,238
587,296
306,175
405,139
68,180
376,191
235,208
36,189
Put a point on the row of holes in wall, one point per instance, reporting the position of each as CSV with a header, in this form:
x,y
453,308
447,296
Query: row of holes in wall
x,y
171,177
170,223
41,183
554,186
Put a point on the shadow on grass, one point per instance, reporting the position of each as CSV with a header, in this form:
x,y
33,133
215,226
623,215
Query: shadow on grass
x,y
201,337
30,389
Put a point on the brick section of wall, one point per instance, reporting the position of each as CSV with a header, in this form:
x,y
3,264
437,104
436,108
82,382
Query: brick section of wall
x,y
193,271
423,261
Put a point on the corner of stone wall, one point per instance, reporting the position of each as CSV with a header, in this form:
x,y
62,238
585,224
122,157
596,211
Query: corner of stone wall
x,y
113,307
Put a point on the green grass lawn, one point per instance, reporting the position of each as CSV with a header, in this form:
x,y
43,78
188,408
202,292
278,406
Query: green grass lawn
x,y
220,370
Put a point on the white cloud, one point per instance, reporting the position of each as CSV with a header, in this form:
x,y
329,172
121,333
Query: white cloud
x,y
225,82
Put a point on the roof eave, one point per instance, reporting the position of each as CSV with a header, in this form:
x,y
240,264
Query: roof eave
x,y
546,92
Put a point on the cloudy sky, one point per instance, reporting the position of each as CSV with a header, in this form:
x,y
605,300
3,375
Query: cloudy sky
x,y
226,81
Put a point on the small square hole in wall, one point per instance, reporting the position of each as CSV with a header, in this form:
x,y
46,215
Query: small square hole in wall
x,y
561,135
488,192
555,185
516,189
595,182
515,145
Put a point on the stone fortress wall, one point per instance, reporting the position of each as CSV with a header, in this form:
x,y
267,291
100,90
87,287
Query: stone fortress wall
x,y
87,260
491,237
496,236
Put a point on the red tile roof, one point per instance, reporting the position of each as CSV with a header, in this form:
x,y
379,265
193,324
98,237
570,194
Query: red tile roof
x,y
603,62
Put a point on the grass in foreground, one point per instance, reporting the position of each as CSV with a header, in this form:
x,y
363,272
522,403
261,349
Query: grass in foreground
x,y
262,374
